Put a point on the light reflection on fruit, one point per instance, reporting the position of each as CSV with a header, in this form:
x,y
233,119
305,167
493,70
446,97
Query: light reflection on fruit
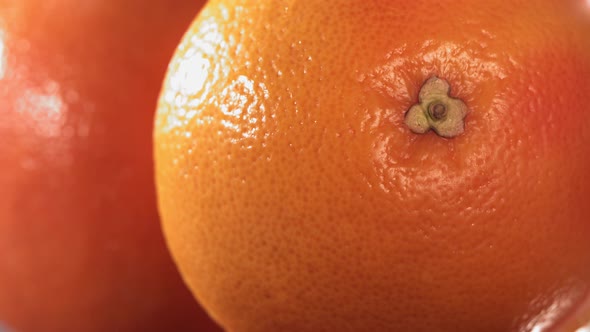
x,y
2,55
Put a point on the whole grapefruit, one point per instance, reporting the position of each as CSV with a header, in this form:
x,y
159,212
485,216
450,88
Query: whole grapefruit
x,y
379,165
81,248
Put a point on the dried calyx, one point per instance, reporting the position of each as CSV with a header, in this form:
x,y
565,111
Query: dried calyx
x,y
437,110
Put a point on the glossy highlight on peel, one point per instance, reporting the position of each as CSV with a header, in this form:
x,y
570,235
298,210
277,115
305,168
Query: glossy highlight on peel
x,y
578,320
2,55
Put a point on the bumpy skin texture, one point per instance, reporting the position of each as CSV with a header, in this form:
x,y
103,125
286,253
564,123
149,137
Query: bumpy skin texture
x,y
81,247
294,198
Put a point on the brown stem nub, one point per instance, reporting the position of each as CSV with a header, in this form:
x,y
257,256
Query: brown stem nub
x,y
437,111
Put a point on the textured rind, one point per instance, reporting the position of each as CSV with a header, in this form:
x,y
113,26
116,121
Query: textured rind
x,y
294,198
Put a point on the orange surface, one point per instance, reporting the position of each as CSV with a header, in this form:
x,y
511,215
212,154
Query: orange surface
x,y
80,244
294,198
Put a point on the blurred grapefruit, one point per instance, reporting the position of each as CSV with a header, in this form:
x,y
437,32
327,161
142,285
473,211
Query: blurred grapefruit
x,y
80,244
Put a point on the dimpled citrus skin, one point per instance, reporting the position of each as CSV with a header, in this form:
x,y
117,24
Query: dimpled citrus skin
x,y
81,249
294,198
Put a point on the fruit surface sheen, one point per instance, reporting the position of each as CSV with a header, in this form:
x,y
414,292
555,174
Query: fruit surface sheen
x,y
81,249
294,198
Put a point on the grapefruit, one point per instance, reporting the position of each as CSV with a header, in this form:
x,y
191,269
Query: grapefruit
x,y
380,165
81,248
